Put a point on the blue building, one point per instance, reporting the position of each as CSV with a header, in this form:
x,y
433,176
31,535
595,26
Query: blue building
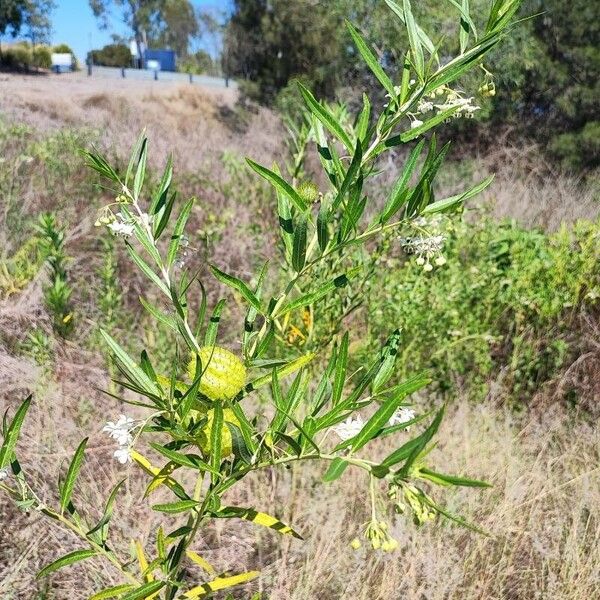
x,y
160,60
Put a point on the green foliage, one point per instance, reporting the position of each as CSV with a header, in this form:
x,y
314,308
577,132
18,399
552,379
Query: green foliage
x,y
57,294
111,55
207,416
500,307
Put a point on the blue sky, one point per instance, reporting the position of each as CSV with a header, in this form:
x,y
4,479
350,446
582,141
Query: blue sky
x,y
74,24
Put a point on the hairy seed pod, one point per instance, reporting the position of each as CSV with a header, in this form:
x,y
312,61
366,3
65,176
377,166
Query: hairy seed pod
x,y
223,376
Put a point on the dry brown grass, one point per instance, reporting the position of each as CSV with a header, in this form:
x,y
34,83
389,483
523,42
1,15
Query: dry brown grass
x,y
542,513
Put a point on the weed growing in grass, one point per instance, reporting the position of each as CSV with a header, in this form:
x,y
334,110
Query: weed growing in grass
x,y
57,294
321,409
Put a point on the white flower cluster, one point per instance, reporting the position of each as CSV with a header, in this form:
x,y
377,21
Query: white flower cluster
x,y
352,426
425,248
120,431
3,474
465,106
120,226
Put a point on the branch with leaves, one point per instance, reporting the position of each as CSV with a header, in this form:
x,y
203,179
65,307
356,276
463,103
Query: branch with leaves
x,y
201,419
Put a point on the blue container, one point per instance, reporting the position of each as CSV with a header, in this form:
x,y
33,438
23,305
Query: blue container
x,y
166,59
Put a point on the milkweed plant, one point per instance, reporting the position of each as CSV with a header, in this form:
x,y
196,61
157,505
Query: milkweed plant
x,y
200,417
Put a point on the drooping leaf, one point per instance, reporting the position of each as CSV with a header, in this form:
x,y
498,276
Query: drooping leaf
x,y
238,285
65,561
280,184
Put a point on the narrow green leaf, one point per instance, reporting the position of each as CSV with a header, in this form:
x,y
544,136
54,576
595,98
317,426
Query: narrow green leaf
x,y
65,561
140,173
299,243
340,371
407,136
178,232
210,337
397,195
67,488
443,479
145,591
280,184
325,117
454,201
313,297
176,507
145,268
335,470
238,285
191,461
416,49
133,372
108,509
385,411
371,61
112,592
12,434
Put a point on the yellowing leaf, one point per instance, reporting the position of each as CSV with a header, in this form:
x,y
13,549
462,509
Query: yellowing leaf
x,y
220,583
195,557
260,518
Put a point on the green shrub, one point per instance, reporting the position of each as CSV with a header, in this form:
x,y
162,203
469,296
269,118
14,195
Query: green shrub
x,y
502,304
41,57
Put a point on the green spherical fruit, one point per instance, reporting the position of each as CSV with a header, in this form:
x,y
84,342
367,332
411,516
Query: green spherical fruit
x,y
223,373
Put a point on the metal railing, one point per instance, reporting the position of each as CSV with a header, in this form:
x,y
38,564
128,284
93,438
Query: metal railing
x,y
166,76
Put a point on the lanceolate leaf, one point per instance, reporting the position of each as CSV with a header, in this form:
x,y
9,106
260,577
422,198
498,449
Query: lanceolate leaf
x,y
258,518
112,592
108,509
371,61
216,432
176,507
335,470
12,434
178,232
325,117
67,488
455,201
239,285
312,297
65,561
280,184
385,411
416,50
134,373
443,479
299,243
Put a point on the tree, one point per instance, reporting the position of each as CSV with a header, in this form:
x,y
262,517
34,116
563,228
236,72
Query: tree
x,y
138,15
36,20
11,16
175,24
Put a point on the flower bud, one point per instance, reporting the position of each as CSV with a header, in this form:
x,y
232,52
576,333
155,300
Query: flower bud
x,y
355,544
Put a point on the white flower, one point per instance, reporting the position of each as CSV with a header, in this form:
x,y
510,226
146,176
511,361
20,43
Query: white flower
x,y
402,415
349,428
120,431
122,455
424,106
3,474
119,228
416,123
